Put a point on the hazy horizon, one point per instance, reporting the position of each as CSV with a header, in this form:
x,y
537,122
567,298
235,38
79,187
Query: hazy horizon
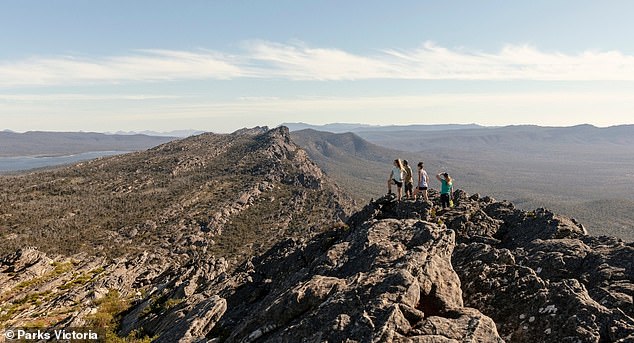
x,y
371,126
147,131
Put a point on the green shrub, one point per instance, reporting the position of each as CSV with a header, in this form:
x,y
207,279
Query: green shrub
x,y
109,311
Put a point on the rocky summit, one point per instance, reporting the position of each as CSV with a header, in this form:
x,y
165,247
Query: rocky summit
x,y
408,271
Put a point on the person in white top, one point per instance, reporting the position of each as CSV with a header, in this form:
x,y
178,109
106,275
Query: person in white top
x,y
396,178
422,182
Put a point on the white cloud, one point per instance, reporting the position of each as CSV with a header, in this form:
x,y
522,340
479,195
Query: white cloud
x,y
298,61
146,65
432,62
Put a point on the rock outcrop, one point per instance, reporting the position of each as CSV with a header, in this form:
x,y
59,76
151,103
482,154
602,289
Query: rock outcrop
x,y
384,280
541,278
480,272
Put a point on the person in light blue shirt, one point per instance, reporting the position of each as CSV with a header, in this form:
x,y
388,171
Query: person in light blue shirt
x,y
446,189
396,178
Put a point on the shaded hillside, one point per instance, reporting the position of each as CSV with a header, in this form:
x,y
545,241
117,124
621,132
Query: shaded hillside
x,y
342,145
354,163
579,179
357,165
36,143
226,194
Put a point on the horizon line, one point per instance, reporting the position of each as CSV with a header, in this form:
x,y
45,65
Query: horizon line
x,y
361,125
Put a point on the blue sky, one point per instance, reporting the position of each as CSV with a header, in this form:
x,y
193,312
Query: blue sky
x,y
222,65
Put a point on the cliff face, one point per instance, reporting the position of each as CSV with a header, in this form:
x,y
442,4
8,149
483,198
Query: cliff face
x,y
406,271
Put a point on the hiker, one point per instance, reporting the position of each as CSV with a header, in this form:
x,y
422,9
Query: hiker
x,y
396,178
422,184
408,179
446,189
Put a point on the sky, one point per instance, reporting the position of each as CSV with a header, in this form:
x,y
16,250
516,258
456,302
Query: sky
x,y
111,65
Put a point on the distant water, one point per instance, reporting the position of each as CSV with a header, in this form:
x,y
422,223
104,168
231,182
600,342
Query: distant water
x,y
18,163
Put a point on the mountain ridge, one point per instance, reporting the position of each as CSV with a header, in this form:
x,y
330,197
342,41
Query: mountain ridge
x,y
192,183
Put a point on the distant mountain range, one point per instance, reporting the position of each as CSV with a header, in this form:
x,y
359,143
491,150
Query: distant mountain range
x,y
515,139
347,127
43,143
174,133
473,136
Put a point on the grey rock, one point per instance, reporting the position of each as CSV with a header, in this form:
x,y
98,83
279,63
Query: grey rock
x,y
385,280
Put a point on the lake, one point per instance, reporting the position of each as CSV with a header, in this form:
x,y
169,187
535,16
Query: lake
x,y
18,163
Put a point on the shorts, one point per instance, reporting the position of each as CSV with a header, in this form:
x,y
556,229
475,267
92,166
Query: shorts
x,y
408,187
444,200
397,183
422,188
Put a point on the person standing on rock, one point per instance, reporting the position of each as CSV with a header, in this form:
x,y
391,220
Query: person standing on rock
x,y
422,183
446,189
408,179
396,178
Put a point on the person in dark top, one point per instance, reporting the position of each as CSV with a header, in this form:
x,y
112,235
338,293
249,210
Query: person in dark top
x,y
408,180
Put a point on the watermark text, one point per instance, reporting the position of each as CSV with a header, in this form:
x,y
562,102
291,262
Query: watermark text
x,y
91,335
